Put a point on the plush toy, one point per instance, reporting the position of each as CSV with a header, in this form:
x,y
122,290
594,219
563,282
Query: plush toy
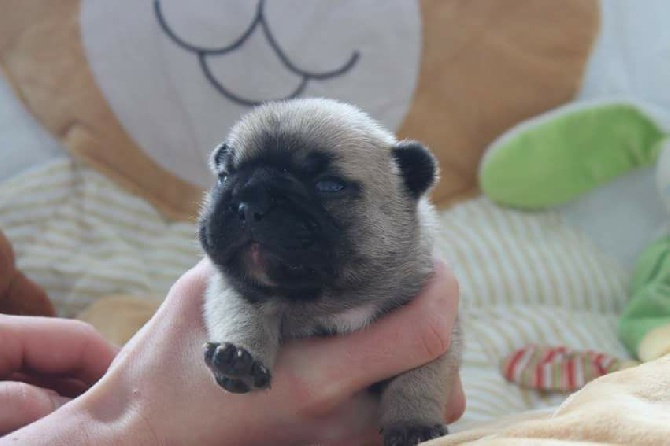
x,y
143,108
556,157
645,324
18,294
553,159
558,369
90,85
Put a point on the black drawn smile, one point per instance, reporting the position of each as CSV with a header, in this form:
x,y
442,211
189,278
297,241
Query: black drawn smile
x,y
259,20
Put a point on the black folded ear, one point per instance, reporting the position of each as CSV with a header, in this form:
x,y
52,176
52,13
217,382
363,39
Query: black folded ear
x,y
417,165
219,158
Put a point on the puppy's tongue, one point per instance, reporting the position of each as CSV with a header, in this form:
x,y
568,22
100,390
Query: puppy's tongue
x,y
255,264
255,255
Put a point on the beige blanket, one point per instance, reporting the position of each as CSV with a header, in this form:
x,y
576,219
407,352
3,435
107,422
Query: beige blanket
x,y
630,407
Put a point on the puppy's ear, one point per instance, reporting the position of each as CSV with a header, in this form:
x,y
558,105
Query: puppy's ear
x,y
219,158
417,165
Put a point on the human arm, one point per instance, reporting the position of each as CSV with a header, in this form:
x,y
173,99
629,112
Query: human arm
x,y
159,391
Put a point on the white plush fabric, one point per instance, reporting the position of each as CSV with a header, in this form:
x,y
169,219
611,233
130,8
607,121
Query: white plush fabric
x,y
159,92
524,277
630,56
23,142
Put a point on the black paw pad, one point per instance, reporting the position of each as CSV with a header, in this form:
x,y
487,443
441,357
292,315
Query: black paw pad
x,y
411,434
235,369
232,385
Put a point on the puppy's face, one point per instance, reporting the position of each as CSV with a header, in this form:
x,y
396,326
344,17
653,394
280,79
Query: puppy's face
x,y
311,194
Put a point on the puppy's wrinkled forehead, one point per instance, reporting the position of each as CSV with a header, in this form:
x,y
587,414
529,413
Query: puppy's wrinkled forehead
x,y
310,134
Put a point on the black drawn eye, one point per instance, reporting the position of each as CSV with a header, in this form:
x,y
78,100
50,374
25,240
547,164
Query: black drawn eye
x,y
330,185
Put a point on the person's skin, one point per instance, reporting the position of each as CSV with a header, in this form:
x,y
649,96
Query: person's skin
x,y
158,390
44,362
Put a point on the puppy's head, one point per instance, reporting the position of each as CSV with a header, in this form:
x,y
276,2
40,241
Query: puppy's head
x,y
312,194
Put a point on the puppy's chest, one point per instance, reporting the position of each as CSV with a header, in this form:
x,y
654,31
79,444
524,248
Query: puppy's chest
x,y
300,325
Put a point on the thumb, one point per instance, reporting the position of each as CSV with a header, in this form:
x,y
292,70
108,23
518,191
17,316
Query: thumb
x,y
22,403
335,368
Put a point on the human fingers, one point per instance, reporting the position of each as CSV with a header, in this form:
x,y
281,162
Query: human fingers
x,y
356,421
22,403
63,385
332,369
456,402
365,431
44,346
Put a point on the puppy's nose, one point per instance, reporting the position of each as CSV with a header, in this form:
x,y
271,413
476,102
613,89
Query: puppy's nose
x,y
250,211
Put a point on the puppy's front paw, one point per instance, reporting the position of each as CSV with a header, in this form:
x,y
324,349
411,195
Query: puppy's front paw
x,y
235,369
412,434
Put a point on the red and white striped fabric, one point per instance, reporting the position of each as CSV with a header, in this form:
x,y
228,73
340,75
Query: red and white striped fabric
x,y
558,369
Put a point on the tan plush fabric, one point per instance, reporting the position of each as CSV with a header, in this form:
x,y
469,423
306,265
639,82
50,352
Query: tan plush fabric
x,y
119,317
487,65
630,407
42,56
655,344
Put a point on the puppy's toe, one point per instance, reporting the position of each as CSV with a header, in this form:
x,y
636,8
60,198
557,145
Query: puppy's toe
x,y
235,369
412,434
261,376
232,360
232,385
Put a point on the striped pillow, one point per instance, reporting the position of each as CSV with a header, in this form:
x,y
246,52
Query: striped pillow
x,y
526,278
81,237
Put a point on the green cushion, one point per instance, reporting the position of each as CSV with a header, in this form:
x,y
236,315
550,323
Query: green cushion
x,y
559,156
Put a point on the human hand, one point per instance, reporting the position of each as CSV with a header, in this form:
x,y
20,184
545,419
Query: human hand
x,y
159,391
44,362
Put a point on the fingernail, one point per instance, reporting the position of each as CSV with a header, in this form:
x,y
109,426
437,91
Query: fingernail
x,y
57,400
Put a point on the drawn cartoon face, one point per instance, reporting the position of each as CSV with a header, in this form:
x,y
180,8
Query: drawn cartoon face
x,y
181,73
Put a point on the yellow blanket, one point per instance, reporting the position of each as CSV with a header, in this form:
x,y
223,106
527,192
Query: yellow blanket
x,y
630,407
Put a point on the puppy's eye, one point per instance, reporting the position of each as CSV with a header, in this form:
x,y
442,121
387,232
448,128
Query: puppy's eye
x,y
330,185
221,179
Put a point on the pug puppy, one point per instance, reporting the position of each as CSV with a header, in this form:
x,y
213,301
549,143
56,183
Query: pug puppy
x,y
319,224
